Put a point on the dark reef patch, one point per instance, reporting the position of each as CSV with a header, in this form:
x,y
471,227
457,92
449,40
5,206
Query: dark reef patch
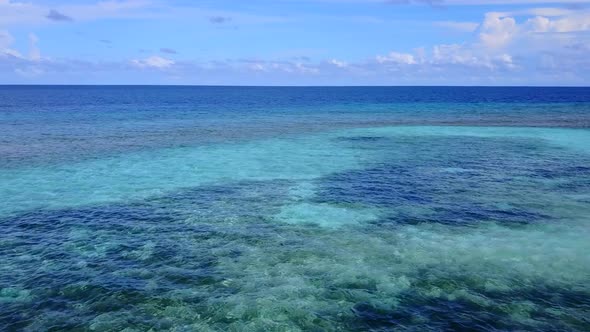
x,y
539,308
71,265
459,180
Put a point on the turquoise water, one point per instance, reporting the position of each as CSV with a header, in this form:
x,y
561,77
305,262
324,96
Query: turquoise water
x,y
259,209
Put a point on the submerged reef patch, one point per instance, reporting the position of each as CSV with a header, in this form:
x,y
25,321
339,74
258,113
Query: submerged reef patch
x,y
442,179
416,234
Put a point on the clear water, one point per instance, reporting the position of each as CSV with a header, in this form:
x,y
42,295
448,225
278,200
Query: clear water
x,y
294,209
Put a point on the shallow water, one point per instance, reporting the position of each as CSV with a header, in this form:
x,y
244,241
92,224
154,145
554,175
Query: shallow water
x,y
284,223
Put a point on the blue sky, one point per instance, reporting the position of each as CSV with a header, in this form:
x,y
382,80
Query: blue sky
x,y
295,42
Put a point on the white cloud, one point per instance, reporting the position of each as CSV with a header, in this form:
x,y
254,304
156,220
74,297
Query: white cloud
x,y
470,56
571,23
497,31
338,63
540,42
440,63
268,66
452,54
155,61
306,69
397,58
532,32
538,24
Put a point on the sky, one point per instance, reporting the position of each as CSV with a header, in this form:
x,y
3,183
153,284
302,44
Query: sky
x,y
295,42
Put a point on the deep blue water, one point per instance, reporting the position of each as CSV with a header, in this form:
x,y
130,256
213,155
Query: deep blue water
x,y
284,209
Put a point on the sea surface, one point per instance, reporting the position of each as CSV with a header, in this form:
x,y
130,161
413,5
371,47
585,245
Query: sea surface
x,y
140,208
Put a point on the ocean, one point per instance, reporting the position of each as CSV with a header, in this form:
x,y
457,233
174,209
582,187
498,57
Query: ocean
x,y
169,208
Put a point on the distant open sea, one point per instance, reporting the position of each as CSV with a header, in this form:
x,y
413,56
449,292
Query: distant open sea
x,y
147,208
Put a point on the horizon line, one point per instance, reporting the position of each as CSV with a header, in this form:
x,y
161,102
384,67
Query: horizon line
x,y
302,86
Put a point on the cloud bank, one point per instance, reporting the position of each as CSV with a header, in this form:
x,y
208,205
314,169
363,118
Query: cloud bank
x,y
542,45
